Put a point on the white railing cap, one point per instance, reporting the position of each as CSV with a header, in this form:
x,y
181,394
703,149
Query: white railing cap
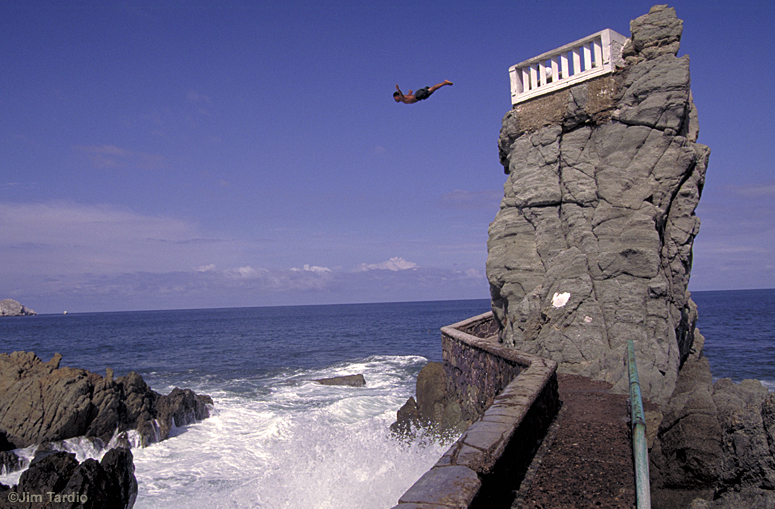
x,y
614,36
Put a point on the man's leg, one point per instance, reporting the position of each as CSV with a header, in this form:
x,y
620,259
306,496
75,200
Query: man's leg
x,y
439,85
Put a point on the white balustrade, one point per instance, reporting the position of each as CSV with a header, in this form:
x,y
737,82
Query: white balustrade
x,y
592,56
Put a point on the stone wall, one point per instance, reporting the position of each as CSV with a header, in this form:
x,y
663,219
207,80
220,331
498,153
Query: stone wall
x,y
487,463
475,375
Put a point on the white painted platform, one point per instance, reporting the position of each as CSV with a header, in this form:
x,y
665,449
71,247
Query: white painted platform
x,y
590,57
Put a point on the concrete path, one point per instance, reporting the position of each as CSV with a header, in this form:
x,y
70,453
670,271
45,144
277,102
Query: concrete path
x,y
586,459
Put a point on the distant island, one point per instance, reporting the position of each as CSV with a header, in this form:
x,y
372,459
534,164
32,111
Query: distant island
x,y
10,307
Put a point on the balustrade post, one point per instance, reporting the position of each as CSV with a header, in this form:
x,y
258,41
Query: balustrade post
x,y
573,63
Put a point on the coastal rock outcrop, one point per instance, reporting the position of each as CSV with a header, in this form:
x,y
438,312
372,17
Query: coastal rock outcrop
x,y
592,244
347,380
434,409
715,441
10,307
58,481
40,402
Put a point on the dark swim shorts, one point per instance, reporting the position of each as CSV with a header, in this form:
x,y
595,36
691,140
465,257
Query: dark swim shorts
x,y
422,94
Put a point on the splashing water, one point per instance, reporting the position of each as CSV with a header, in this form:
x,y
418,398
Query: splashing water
x,y
287,442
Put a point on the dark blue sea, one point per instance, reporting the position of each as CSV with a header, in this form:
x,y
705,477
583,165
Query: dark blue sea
x,y
279,440
739,330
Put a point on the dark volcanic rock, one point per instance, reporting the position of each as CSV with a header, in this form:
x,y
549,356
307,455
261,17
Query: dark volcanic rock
x,y
64,483
349,380
5,445
10,307
407,417
42,402
9,462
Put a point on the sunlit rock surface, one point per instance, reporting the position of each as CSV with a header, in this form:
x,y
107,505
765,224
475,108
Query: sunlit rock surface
x,y
598,214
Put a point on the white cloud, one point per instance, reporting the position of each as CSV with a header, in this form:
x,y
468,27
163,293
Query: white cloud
x,y
111,156
195,97
755,190
63,255
313,268
246,273
474,273
395,264
241,286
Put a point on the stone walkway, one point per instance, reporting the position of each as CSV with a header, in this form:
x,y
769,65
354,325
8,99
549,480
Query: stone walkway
x,y
586,458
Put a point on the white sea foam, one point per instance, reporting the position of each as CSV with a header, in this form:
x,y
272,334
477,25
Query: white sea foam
x,y
288,443
82,447
304,445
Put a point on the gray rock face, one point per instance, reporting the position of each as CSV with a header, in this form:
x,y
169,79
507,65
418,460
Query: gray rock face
x,y
715,440
592,245
10,307
42,402
88,485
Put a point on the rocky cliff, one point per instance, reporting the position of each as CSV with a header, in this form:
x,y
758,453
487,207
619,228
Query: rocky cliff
x,y
10,307
592,244
41,402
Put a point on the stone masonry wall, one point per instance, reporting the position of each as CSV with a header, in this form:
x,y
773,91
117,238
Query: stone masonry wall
x,y
474,376
487,463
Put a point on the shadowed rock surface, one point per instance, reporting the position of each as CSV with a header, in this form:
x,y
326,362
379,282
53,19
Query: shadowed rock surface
x,y
715,442
433,409
42,402
106,484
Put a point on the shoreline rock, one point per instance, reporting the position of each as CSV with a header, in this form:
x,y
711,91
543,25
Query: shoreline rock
x,y
10,307
347,380
41,402
62,483
715,442
434,409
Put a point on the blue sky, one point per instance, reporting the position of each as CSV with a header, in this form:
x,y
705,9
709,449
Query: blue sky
x,y
193,154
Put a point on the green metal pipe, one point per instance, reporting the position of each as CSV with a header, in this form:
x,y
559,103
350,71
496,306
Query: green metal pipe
x,y
639,447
